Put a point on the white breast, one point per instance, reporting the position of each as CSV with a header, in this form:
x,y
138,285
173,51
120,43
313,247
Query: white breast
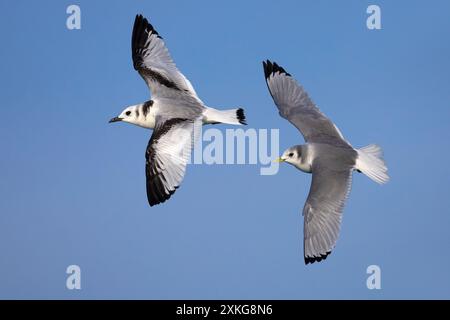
x,y
305,164
148,121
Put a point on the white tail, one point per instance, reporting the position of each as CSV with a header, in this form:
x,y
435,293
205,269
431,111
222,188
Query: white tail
x,y
230,116
370,162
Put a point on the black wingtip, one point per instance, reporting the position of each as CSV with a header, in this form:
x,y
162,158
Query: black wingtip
x,y
155,199
144,24
266,73
272,68
241,116
311,260
141,31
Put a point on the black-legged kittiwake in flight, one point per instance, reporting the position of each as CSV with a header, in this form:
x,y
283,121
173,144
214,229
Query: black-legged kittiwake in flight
x,y
175,113
327,155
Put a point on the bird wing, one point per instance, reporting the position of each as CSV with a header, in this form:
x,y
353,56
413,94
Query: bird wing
x,y
295,106
152,60
167,155
323,210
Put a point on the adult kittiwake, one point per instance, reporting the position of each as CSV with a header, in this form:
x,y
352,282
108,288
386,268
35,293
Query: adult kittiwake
x,y
175,113
327,155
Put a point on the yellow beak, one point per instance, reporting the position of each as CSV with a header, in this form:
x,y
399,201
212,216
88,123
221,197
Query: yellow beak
x,y
279,159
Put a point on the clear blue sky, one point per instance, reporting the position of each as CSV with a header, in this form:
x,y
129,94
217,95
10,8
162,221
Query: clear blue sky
x,y
72,188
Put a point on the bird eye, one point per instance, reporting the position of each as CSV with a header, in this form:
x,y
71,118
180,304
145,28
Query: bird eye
x,y
128,113
291,154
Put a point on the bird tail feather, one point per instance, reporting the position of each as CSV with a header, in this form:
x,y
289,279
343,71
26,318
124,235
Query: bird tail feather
x,y
370,162
230,116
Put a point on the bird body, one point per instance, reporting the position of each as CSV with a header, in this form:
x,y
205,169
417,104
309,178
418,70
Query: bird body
x,y
304,155
145,114
327,155
175,113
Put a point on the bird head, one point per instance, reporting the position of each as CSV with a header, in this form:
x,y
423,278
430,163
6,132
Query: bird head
x,y
291,155
127,115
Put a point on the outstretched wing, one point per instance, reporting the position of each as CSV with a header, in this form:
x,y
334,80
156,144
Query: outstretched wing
x,y
295,106
323,210
153,62
167,155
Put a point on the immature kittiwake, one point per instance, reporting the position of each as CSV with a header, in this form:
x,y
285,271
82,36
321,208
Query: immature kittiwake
x,y
175,112
327,155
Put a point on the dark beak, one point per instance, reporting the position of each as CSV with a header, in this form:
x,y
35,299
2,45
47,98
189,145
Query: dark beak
x,y
115,119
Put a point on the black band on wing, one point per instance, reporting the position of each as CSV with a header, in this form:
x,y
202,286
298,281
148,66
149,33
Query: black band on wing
x,y
142,29
155,181
149,73
271,68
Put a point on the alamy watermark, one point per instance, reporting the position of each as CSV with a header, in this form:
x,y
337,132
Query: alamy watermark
x,y
73,21
374,279
73,281
238,146
373,22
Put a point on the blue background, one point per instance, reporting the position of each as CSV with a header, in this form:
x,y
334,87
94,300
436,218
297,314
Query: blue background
x,y
72,187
